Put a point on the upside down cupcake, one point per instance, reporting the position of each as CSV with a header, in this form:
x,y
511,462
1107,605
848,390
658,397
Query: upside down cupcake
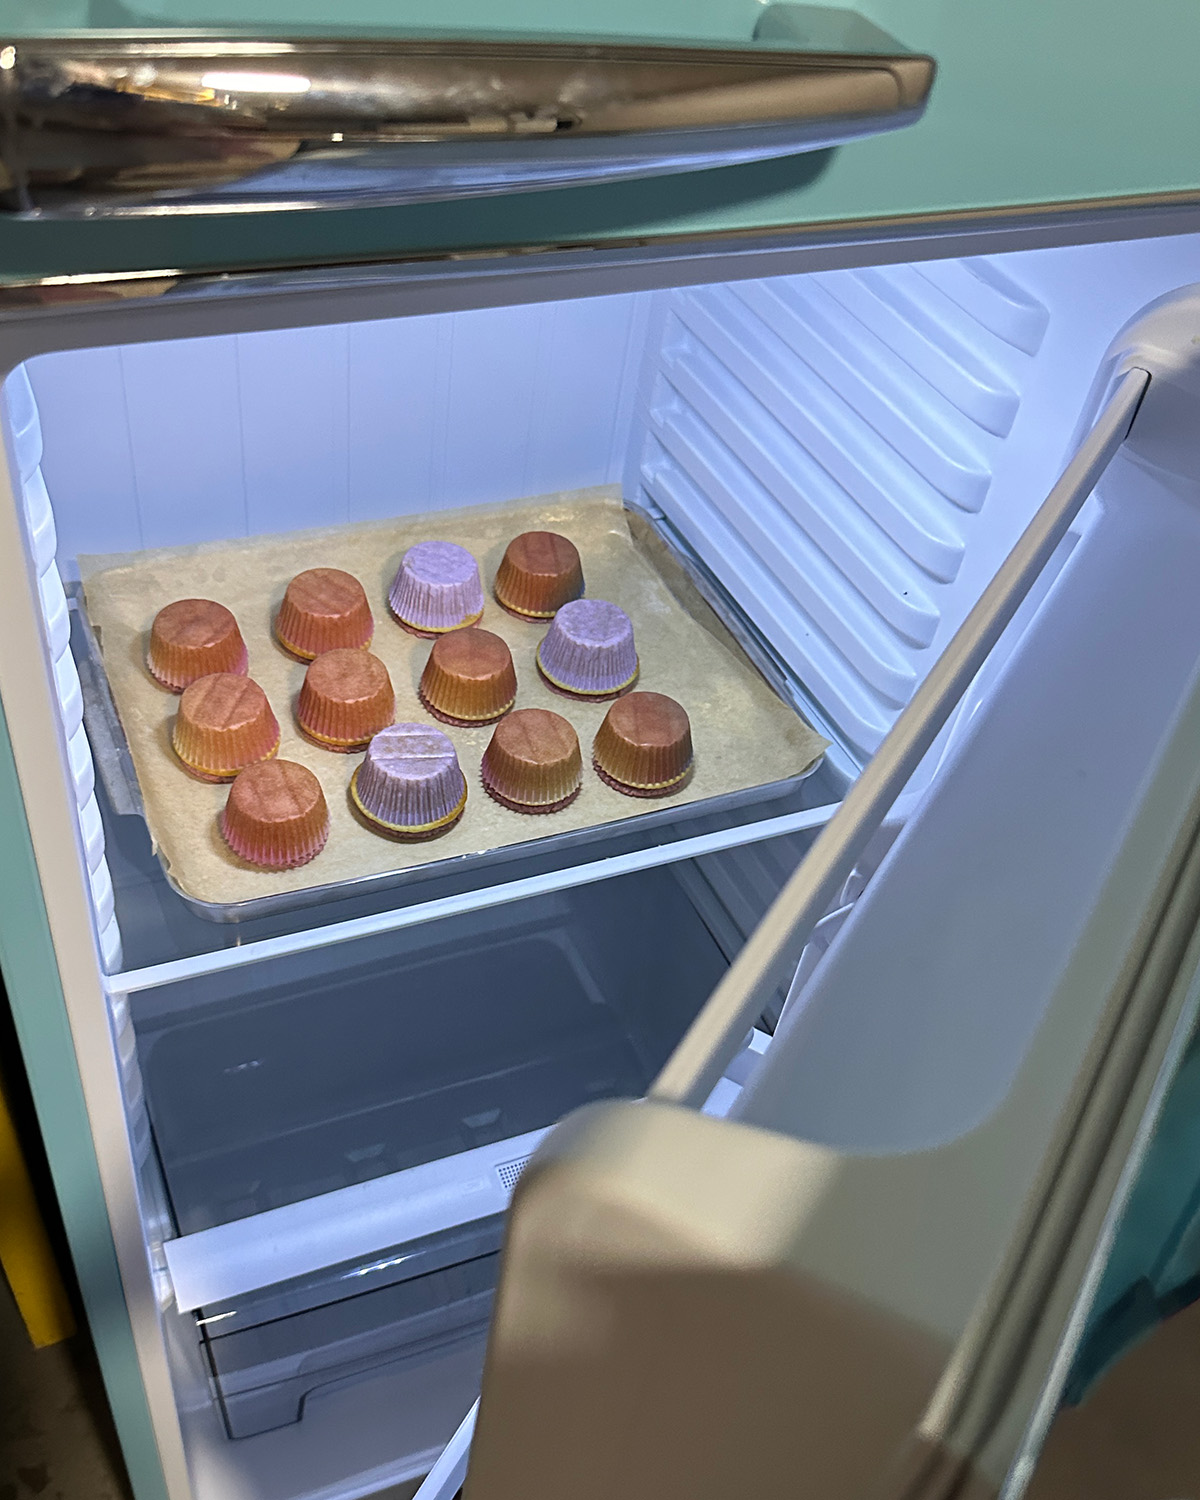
x,y
539,573
224,724
194,638
410,784
532,763
469,678
323,609
588,652
644,746
276,816
436,588
346,697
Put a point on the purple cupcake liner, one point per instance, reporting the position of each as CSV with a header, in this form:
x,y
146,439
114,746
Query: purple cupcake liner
x,y
410,780
437,587
589,648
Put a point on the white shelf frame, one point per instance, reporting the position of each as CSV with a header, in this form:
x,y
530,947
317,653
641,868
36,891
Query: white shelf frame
x,y
312,939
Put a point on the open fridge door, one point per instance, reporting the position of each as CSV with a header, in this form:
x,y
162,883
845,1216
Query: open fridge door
x,y
872,1277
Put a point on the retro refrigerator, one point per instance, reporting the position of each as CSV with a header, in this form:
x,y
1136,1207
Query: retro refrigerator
x,y
873,338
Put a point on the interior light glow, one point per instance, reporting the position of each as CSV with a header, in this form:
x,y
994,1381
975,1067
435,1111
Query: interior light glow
x,y
376,1265
256,83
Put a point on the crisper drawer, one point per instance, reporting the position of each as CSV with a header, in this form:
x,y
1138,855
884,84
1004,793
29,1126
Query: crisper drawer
x,y
270,1351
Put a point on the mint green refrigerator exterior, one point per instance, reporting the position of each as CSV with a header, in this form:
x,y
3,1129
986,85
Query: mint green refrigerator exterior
x,y
173,176
1069,116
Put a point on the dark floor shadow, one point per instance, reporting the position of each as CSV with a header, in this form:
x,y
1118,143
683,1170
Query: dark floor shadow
x,y
77,1353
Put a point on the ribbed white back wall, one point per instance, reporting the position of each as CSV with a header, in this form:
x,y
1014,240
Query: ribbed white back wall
x,y
853,453
26,434
824,443
152,445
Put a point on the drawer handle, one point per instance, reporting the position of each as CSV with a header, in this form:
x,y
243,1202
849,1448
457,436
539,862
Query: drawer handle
x,y
100,126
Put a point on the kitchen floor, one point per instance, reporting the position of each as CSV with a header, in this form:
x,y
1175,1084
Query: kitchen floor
x,y
1137,1438
56,1440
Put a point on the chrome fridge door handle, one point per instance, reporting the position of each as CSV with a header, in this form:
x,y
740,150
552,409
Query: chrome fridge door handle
x,y
770,956
90,125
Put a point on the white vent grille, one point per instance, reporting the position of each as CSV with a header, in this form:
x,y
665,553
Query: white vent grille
x,y
25,431
825,443
509,1171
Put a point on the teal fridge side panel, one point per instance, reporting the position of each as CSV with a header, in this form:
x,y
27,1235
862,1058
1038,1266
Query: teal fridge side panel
x,y
39,1011
693,20
1034,106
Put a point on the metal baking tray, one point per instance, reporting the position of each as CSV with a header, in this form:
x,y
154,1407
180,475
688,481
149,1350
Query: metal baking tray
x,y
670,819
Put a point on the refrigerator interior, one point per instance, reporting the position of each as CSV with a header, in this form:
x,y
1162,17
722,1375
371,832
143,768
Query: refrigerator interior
x,y
843,458
418,1062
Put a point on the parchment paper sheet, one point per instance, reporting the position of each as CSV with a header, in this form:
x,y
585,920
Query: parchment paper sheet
x,y
744,735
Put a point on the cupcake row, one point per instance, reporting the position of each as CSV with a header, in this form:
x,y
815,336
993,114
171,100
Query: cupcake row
x,y
409,785
437,586
437,589
588,651
225,722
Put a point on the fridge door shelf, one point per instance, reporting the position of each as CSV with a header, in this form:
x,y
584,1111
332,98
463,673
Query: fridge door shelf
x,y
115,767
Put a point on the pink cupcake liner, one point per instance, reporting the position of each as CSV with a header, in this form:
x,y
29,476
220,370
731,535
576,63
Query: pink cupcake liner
x,y
589,649
437,587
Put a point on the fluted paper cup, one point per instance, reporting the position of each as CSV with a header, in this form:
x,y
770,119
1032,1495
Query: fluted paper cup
x,y
409,784
469,677
224,724
346,697
644,746
436,588
539,573
276,816
324,609
193,638
588,651
533,762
